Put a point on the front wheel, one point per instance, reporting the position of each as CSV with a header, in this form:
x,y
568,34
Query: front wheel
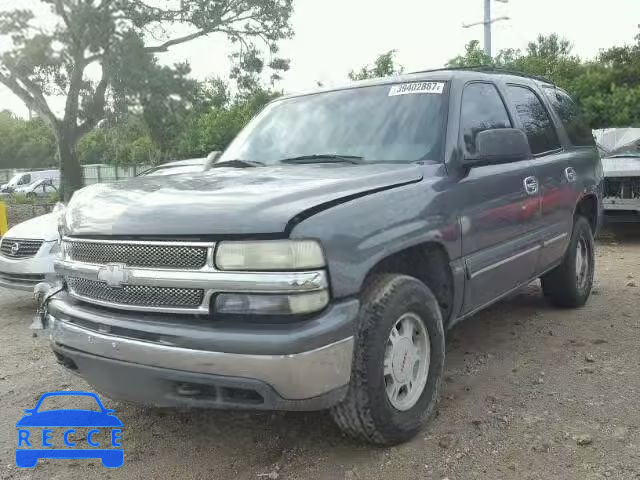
x,y
397,362
569,284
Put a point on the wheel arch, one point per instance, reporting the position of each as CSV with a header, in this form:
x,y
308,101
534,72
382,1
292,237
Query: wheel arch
x,y
429,262
587,207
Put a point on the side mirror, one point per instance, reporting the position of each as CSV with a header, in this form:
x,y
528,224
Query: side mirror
x,y
500,145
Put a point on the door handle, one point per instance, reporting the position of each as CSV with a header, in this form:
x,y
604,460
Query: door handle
x,y
570,174
530,185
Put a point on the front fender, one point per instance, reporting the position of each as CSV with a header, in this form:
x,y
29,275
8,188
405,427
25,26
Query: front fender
x,y
358,234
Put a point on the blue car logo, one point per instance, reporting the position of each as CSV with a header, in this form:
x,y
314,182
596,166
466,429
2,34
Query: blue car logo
x,y
32,446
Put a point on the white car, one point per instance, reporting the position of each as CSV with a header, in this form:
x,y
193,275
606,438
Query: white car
x,y
27,252
39,188
24,179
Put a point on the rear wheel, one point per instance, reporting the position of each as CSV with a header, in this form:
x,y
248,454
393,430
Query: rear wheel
x,y
569,284
397,362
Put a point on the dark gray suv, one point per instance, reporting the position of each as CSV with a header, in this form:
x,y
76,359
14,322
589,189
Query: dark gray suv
x,y
321,259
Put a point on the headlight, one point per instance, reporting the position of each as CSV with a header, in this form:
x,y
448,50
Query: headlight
x,y
294,304
270,255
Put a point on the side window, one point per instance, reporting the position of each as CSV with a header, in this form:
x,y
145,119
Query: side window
x,y
482,109
25,180
535,119
572,117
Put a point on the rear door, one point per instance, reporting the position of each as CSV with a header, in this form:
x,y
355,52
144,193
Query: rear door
x,y
553,169
500,205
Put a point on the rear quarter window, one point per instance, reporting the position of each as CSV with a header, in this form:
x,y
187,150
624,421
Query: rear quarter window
x,y
574,121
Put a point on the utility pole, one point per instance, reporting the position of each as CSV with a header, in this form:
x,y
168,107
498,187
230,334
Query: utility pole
x,y
488,21
487,28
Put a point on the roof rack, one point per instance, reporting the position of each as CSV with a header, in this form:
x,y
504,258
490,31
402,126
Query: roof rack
x,y
491,68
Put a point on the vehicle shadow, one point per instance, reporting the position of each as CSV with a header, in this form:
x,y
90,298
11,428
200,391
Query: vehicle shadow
x,y
266,438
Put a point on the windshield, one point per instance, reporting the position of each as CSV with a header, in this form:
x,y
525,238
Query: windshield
x,y
379,124
19,179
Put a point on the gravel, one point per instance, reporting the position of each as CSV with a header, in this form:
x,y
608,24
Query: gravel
x,y
496,421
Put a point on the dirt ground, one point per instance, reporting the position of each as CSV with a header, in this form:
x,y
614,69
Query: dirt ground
x,y
526,385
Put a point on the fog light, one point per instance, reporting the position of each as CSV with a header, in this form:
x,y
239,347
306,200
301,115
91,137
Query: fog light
x,y
239,303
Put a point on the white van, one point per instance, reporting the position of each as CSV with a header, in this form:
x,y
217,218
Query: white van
x,y
24,179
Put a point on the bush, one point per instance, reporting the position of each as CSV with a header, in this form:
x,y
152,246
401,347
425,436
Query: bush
x,y
21,199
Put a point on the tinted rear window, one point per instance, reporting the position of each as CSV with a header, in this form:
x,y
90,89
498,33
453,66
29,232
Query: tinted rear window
x,y
571,116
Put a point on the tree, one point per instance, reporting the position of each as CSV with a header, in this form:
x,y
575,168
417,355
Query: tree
x,y
384,66
607,87
118,40
122,141
218,126
472,57
26,144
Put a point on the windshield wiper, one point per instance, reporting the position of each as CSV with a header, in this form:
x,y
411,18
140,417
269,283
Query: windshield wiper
x,y
237,163
625,155
324,158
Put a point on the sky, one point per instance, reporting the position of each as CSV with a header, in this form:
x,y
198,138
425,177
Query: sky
x,y
333,37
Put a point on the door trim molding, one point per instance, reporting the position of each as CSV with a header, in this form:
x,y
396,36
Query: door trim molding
x,y
503,261
555,239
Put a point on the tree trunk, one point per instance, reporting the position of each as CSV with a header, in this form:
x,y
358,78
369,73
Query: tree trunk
x,y
70,170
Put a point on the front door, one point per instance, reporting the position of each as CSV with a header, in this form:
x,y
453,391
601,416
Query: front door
x,y
500,207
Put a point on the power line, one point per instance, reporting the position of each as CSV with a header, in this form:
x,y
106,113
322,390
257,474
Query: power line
x,y
487,22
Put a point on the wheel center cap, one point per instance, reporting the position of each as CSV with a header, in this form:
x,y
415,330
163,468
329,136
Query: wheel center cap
x,y
401,362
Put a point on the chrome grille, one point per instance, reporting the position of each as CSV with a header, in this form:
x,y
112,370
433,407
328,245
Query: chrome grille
x,y
138,254
19,248
136,295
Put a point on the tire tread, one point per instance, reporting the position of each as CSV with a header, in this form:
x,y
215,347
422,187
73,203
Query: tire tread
x,y
353,415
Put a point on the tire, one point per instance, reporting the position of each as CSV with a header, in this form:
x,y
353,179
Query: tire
x,y
564,286
367,412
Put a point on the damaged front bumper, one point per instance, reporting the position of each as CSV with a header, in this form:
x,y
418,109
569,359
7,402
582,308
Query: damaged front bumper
x,y
165,364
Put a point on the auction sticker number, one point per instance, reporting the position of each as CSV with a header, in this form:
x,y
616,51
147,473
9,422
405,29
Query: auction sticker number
x,y
416,87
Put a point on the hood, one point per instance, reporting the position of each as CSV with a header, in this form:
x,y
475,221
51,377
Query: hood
x,y
224,201
44,227
621,166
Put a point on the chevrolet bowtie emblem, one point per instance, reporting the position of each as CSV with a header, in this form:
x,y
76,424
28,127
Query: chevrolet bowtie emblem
x,y
114,274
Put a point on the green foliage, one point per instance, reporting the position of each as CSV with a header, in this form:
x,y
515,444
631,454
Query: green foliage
x,y
53,197
214,129
21,199
384,66
25,144
120,39
608,87
211,125
125,142
473,56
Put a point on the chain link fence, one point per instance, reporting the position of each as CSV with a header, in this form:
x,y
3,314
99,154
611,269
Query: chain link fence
x,y
92,173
